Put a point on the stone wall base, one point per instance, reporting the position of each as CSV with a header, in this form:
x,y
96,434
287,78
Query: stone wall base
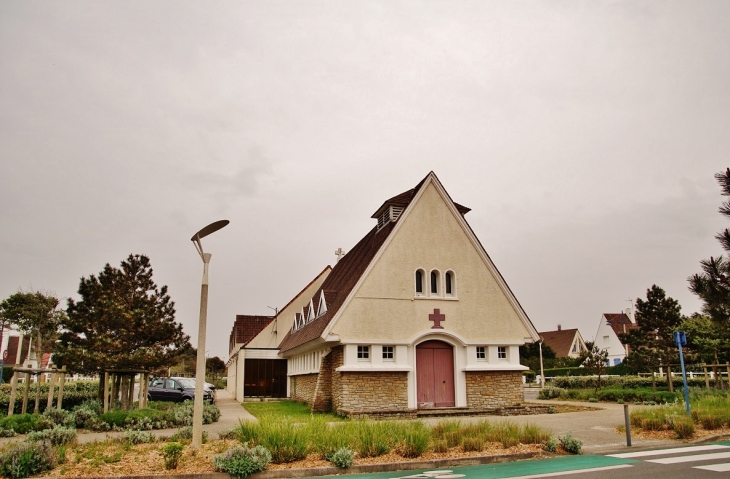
x,y
494,389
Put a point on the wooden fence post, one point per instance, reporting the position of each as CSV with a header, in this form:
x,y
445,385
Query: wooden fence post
x,y
60,387
26,390
51,380
13,391
106,392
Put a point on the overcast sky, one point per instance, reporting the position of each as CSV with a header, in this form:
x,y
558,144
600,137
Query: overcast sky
x,y
583,135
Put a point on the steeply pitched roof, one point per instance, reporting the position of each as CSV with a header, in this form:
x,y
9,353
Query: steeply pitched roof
x,y
348,271
559,341
620,323
338,285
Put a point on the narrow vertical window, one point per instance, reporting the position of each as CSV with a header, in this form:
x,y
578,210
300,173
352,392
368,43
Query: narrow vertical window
x,y
502,352
419,282
434,282
448,283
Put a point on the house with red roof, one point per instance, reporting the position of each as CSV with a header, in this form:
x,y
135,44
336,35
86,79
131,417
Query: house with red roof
x,y
567,343
609,327
414,316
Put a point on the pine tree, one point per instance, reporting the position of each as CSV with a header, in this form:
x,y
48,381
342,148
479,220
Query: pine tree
x,y
652,341
122,321
713,284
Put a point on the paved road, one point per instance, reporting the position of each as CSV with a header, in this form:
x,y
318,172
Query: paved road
x,y
711,461
597,429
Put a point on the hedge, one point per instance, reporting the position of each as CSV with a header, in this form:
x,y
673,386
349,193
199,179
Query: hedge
x,y
625,382
74,393
619,369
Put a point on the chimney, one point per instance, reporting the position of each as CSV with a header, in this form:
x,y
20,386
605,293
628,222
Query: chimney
x,y
560,327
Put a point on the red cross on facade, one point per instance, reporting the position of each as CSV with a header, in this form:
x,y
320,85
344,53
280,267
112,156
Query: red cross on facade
x,y
437,317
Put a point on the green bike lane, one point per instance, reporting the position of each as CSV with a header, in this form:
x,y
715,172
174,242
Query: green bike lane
x,y
528,468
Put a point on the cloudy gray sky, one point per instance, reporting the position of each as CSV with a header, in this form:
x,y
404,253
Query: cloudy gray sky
x,y
584,136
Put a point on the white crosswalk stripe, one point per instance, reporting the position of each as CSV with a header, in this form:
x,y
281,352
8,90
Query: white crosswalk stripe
x,y
681,455
715,467
664,452
692,458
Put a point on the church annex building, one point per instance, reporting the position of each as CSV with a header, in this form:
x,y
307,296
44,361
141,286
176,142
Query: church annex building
x,y
414,316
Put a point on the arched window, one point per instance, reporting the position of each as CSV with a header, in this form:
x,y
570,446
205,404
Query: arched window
x,y
434,282
450,285
419,282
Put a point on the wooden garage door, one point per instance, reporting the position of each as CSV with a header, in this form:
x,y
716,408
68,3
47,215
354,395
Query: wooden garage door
x,y
264,378
435,374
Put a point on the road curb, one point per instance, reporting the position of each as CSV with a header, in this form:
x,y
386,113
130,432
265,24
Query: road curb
x,y
362,469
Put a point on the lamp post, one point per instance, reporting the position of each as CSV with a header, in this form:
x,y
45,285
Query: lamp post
x,y
200,364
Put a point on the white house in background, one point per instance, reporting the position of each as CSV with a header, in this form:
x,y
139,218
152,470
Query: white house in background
x,y
609,327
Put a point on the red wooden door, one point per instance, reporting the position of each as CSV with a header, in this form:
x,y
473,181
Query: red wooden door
x,y
435,374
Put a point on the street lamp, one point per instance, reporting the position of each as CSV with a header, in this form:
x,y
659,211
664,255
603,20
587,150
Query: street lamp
x,y
200,366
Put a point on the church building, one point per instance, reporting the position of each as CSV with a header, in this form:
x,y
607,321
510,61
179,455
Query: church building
x,y
414,316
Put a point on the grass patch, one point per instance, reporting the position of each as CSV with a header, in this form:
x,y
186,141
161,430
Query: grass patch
x,y
288,440
296,411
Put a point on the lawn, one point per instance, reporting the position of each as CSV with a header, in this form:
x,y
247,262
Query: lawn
x,y
295,411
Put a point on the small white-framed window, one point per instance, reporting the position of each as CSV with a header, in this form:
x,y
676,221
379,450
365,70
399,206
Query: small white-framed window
x,y
420,278
363,352
449,284
502,352
435,283
388,353
481,353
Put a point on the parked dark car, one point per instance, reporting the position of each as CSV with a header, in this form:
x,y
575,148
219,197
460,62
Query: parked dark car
x,y
176,390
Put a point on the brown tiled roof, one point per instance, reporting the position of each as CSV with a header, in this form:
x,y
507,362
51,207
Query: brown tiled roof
x,y
338,285
620,323
246,327
559,341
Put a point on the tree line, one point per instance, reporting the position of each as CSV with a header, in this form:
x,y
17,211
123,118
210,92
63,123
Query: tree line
x,y
122,320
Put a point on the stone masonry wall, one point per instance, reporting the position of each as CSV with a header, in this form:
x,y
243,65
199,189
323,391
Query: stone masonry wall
x,y
493,389
336,357
302,387
322,401
373,391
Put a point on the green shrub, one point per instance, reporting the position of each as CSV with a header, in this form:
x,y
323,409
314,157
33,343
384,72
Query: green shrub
x,y
146,419
551,445
241,461
342,458
529,376
571,444
115,418
171,453
24,459
186,434
58,436
550,392
181,414
84,417
133,436
24,423
227,434
59,417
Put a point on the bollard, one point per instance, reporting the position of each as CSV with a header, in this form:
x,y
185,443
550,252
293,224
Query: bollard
x,y
628,425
